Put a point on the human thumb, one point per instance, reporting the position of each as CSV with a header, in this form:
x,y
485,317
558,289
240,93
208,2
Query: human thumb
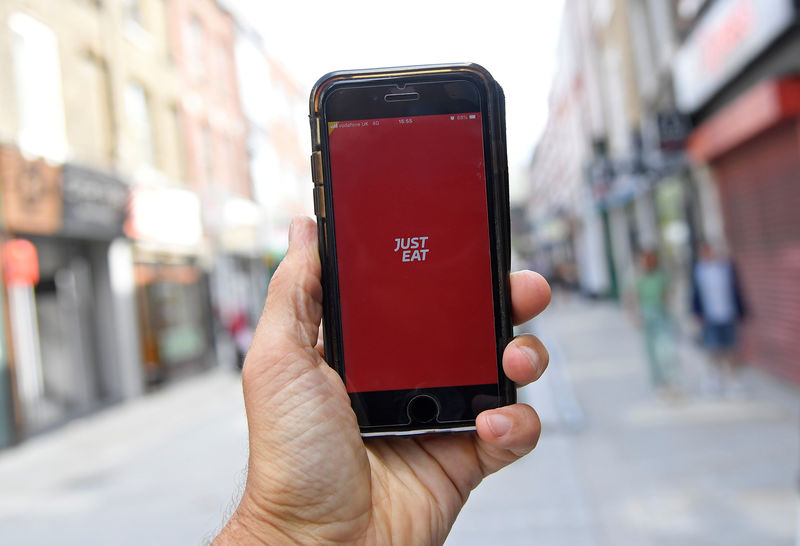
x,y
293,309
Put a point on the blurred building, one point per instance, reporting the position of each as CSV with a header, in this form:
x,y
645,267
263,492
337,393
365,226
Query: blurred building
x,y
203,37
170,254
568,235
271,103
276,111
593,126
139,247
616,145
675,207
737,74
87,86
641,83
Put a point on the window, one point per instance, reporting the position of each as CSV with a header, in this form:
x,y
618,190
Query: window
x,y
616,101
179,137
132,12
688,9
602,12
641,35
165,20
37,81
208,155
662,20
137,109
93,130
195,43
220,68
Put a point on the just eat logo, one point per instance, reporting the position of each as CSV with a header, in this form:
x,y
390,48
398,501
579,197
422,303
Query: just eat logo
x,y
413,249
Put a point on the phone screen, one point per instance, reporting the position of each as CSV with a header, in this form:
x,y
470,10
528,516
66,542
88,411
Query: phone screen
x,y
413,252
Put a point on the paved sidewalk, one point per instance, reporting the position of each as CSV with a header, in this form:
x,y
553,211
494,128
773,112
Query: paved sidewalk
x,y
162,469
616,465
630,468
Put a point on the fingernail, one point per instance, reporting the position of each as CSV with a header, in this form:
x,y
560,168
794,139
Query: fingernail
x,y
498,423
531,356
300,237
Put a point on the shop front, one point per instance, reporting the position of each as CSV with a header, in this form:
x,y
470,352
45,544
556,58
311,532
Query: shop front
x,y
753,148
172,286
67,325
616,188
174,315
738,75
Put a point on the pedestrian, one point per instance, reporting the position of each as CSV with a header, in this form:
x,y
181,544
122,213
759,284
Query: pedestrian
x,y
717,304
312,478
241,333
652,291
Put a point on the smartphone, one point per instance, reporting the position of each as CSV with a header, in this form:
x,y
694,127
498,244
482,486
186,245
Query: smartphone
x,y
411,197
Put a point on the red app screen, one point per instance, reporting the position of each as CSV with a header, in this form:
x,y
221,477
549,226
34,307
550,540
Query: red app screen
x,y
413,252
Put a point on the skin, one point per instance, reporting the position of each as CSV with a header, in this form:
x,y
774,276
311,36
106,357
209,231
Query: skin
x,y
311,478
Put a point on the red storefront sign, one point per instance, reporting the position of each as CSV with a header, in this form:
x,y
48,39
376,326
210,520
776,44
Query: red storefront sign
x,y
755,112
20,263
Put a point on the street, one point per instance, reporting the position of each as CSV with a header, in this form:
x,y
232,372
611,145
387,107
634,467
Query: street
x,y
628,468
616,464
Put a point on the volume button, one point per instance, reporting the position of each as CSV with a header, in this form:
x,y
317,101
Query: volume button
x,y
317,135
316,167
319,201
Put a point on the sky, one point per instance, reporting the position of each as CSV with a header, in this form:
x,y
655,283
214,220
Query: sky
x,y
515,40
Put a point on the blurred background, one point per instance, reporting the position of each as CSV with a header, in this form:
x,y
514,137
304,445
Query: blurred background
x,y
153,152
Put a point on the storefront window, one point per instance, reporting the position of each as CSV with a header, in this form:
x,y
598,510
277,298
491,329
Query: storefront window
x,y
175,319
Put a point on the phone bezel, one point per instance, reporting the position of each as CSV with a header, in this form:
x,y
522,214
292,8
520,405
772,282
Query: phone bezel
x,y
379,412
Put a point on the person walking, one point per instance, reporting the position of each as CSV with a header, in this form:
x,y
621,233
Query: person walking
x,y
717,303
652,290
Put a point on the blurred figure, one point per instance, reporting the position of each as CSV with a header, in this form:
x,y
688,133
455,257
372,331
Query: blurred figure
x,y
717,303
242,334
651,292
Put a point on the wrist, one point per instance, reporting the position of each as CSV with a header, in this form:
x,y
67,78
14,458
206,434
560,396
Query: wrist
x,y
249,525
255,523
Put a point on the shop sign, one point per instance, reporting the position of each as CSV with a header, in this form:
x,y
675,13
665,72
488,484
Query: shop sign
x,y
729,35
95,203
31,193
166,215
673,130
241,225
20,263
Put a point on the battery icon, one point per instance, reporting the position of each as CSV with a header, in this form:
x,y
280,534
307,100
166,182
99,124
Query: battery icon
x,y
472,116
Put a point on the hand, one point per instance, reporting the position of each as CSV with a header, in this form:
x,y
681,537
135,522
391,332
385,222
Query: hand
x,y
311,477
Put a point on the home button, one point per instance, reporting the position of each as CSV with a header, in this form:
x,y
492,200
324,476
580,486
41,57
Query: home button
x,y
423,409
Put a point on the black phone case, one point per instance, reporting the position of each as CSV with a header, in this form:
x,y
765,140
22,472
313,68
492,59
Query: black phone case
x,y
320,170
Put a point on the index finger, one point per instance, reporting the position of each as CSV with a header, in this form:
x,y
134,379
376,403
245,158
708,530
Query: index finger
x,y
530,295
